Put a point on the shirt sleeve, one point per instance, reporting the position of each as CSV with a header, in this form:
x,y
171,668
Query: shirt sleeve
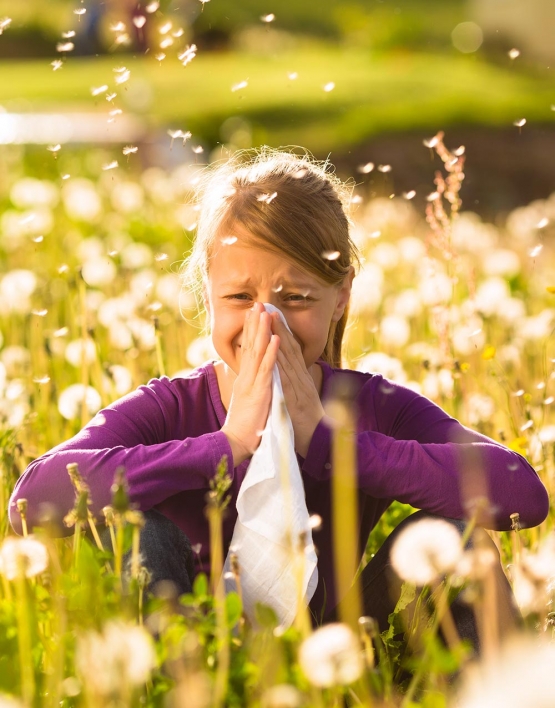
x,y
415,453
134,433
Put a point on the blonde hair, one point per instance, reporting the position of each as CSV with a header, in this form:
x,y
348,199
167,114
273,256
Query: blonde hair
x,y
289,205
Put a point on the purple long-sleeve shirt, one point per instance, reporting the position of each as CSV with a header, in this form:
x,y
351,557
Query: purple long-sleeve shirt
x,y
167,435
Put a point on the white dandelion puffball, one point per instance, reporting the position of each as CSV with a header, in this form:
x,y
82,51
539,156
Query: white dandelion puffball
x,y
200,350
281,696
122,655
521,675
378,362
16,289
331,656
71,400
426,549
80,349
25,555
9,702
81,200
394,331
99,272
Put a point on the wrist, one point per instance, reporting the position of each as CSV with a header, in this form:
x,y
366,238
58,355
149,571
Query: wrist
x,y
238,450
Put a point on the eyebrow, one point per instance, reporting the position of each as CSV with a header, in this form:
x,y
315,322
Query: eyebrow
x,y
286,284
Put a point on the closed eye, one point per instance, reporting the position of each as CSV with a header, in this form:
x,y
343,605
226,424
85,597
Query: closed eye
x,y
242,296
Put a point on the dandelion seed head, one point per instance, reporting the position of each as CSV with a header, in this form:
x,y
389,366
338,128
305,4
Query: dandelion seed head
x,y
268,18
329,86
239,86
56,64
425,550
80,11
25,555
123,77
110,96
139,21
160,56
71,399
54,148
130,149
513,53
97,90
331,656
68,35
520,122
63,47
384,168
282,695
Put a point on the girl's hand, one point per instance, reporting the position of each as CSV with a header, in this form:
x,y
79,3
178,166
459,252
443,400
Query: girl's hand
x,y
301,397
252,389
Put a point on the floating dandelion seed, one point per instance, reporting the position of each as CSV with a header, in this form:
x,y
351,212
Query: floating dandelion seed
x,y
513,53
39,313
198,149
110,165
130,149
548,401
123,77
139,21
110,96
519,123
535,251
375,234
409,195
292,76
56,64
228,240
115,112
239,86
41,379
152,7
68,35
459,151
432,197
431,142
203,2
526,426
188,55
65,47
329,86
5,22
542,223
54,148
178,33
165,28
267,198
268,18
123,39
384,168
38,239
96,91
356,199
331,255
63,269
66,176
299,174
165,43
62,332
160,56
518,393
80,11
160,257
365,169
278,289
118,27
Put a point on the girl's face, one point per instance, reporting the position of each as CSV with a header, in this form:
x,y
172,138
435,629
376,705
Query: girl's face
x,y
240,275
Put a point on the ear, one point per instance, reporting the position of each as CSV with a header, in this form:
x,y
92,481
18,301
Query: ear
x,y
343,295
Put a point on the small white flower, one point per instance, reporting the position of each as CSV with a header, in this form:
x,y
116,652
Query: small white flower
x,y
425,550
331,656
25,555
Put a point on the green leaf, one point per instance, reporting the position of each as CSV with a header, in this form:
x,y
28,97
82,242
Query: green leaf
x,y
233,608
200,585
265,616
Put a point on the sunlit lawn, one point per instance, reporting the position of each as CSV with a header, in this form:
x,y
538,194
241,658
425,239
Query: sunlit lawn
x,y
372,93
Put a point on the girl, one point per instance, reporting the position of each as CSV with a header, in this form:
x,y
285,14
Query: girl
x,y
275,230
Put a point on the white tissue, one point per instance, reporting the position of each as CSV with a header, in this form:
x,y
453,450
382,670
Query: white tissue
x,y
266,510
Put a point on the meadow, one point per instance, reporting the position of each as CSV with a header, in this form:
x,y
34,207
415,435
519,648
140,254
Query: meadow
x,y
92,306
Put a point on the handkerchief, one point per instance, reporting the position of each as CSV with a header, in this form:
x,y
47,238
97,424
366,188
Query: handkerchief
x,y
272,517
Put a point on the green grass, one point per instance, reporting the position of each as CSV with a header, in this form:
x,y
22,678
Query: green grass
x,y
373,93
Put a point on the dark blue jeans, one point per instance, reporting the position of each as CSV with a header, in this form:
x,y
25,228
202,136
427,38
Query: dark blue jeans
x,y
166,552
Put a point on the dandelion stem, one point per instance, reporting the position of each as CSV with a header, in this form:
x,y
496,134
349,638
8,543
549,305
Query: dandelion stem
x,y
24,637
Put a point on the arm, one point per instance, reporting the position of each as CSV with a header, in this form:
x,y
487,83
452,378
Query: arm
x,y
414,452
138,433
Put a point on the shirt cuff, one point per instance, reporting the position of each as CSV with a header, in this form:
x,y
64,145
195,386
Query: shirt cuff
x,y
220,448
317,463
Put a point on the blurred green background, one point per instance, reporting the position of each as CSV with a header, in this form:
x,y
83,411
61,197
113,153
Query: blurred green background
x,y
362,81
